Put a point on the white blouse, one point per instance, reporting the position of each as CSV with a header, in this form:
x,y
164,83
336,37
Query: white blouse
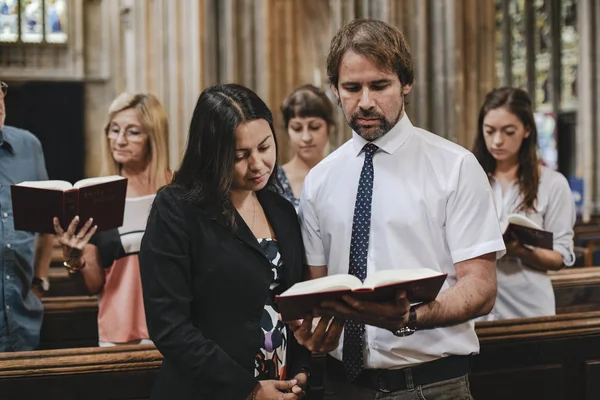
x,y
522,291
432,207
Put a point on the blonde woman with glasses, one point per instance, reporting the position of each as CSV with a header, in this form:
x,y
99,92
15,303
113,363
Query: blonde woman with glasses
x,y
135,147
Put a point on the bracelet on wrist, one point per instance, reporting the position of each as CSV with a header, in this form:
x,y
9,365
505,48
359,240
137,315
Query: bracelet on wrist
x,y
74,268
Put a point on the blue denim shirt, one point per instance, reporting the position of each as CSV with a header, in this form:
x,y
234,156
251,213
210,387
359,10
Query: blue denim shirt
x,y
21,312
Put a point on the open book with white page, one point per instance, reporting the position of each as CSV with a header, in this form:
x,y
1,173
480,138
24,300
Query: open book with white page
x,y
527,232
35,203
420,284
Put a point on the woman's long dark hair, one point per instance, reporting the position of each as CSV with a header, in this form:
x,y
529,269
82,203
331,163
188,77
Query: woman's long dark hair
x,y
206,171
517,102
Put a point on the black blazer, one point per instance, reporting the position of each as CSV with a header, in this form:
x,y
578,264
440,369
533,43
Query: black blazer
x,y
204,293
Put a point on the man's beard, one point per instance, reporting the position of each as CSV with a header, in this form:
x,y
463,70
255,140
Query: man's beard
x,y
373,132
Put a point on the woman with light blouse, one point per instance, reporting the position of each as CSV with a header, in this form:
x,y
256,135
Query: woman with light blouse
x,y
506,147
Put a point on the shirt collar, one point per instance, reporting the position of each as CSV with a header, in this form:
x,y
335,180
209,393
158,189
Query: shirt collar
x,y
391,141
494,181
4,144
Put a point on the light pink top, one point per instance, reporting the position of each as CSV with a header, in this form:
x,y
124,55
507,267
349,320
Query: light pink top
x,y
121,314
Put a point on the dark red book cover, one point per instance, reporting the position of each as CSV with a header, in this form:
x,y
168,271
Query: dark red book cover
x,y
418,291
34,208
529,236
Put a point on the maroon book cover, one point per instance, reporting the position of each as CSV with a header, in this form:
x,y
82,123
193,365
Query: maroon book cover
x,y
418,291
529,236
34,208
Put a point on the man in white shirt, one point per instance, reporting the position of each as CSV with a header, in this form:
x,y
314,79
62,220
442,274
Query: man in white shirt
x,y
396,196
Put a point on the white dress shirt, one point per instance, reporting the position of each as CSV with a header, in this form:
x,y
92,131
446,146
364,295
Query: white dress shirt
x,y
522,291
432,207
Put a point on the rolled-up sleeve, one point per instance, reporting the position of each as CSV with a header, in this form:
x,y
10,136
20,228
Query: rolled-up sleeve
x,y
472,227
165,265
560,217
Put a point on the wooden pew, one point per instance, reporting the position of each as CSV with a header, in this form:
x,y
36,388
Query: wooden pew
x,y
62,285
124,373
576,289
588,238
69,322
550,358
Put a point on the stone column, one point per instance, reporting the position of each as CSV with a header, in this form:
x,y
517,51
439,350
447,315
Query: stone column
x,y
103,72
161,43
588,88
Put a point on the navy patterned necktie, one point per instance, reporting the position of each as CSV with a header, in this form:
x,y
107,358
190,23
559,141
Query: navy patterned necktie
x,y
354,332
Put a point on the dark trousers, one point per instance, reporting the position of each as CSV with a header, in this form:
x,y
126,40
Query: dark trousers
x,y
338,387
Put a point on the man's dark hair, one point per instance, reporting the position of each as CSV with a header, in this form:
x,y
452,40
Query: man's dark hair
x,y
381,43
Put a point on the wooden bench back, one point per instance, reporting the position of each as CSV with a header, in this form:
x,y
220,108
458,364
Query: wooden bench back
x,y
550,358
69,322
124,373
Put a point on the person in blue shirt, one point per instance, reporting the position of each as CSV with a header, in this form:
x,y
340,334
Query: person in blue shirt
x,y
24,257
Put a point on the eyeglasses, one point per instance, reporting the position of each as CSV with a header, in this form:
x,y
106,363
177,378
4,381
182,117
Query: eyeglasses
x,y
4,87
131,135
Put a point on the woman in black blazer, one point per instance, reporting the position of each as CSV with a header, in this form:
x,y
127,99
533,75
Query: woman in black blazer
x,y
219,245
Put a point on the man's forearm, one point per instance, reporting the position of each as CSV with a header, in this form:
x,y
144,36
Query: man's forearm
x,y
44,243
315,271
469,298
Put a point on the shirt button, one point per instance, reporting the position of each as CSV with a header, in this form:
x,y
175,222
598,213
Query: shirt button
x,y
8,277
8,245
7,307
5,215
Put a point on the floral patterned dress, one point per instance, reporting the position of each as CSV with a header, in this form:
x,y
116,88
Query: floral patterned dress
x,y
270,362
287,189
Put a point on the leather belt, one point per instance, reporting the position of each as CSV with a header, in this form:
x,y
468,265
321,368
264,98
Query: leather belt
x,y
392,380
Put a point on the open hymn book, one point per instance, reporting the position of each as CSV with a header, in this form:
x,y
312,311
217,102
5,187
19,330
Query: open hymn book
x,y
35,203
421,285
527,232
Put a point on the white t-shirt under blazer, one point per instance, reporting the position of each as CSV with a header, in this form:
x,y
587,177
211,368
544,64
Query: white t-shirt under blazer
x,y
432,207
